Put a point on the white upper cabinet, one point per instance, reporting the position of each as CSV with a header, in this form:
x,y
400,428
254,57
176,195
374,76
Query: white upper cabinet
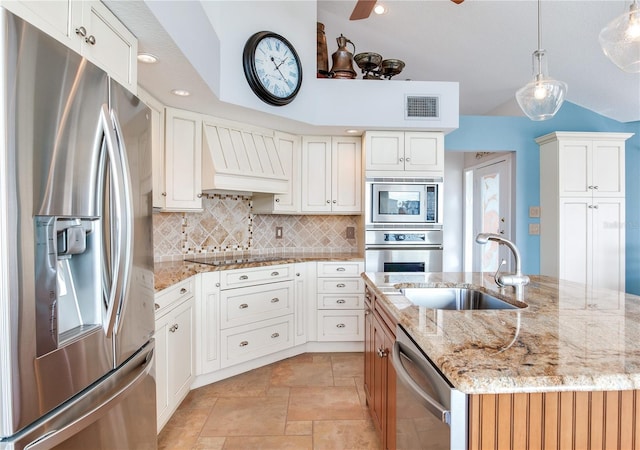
x,y
400,153
331,175
288,147
590,165
89,28
183,160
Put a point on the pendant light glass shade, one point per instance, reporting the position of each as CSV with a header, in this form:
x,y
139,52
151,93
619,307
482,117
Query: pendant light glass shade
x,y
541,98
620,39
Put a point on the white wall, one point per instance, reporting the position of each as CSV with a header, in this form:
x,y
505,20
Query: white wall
x,y
362,104
453,204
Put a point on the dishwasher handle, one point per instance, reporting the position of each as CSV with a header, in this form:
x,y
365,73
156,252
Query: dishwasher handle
x,y
431,404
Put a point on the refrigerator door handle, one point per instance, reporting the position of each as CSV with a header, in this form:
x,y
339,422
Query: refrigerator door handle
x,y
114,287
144,363
126,219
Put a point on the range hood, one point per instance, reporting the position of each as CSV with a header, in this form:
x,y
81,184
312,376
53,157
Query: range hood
x,y
237,158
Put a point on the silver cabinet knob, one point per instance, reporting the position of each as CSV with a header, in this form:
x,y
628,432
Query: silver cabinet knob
x,y
275,335
157,307
401,159
341,285
81,31
382,352
341,301
340,325
199,195
275,300
244,343
277,200
174,328
164,194
407,159
91,40
183,290
328,201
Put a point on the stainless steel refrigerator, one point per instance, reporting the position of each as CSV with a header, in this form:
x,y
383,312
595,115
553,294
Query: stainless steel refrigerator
x,y
76,253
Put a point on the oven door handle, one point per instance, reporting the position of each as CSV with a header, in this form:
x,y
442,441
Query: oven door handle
x,y
431,404
403,247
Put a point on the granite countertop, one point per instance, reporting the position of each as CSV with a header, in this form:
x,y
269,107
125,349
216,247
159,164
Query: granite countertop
x,y
568,338
167,274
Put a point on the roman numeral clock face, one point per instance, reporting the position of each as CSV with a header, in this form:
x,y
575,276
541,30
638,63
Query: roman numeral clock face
x,y
272,68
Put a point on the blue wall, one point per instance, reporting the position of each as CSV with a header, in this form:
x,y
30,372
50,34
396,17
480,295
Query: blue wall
x,y
492,133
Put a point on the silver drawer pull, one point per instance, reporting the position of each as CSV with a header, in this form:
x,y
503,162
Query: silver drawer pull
x,y
275,273
341,301
156,306
341,285
174,328
183,290
243,306
275,300
244,343
340,269
244,277
275,335
340,325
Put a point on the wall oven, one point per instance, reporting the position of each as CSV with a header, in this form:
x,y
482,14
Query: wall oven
x,y
403,250
431,414
403,201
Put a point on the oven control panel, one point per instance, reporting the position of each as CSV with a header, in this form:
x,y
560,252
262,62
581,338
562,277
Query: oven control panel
x,y
404,237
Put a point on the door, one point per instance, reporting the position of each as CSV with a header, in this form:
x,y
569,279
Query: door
x,y
135,320
490,191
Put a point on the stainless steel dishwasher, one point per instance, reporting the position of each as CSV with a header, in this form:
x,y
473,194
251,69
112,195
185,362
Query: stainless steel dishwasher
x,y
430,413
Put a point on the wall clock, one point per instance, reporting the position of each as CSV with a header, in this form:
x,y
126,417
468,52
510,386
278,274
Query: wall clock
x,y
272,68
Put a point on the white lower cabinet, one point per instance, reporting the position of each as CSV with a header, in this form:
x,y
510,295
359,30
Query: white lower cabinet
x,y
256,318
340,301
207,348
174,362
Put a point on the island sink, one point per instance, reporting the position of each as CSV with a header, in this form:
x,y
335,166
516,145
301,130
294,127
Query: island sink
x,y
454,298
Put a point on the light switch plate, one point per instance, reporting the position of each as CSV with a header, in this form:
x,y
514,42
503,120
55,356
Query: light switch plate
x,y
278,232
534,228
534,211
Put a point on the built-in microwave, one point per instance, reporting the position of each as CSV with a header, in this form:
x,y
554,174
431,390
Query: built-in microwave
x,y
415,202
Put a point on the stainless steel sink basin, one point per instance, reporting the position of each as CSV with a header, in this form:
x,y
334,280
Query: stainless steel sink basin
x,y
454,298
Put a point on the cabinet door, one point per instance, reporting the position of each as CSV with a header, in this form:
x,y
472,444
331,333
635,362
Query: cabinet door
x,y
289,152
183,157
51,16
113,47
157,147
608,270
163,406
574,159
608,161
181,343
424,152
369,350
304,306
316,174
207,344
384,150
346,175
574,240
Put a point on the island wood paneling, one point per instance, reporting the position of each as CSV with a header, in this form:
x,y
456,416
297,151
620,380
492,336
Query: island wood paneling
x,y
555,420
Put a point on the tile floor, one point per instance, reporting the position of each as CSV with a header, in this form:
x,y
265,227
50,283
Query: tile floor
x,y
310,401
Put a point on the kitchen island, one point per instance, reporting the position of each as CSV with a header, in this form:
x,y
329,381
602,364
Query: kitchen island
x,y
562,372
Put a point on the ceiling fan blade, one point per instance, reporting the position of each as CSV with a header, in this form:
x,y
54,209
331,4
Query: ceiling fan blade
x,y
362,9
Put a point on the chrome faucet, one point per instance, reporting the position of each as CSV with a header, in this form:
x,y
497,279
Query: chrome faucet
x,y
517,279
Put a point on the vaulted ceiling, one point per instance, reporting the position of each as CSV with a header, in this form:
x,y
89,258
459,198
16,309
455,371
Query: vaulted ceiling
x,y
485,45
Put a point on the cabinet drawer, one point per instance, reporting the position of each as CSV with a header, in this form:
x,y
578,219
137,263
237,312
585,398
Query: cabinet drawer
x,y
338,301
347,325
172,295
251,304
341,285
247,342
340,268
245,277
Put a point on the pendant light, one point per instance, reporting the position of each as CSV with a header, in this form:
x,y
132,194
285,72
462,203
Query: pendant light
x,y
541,98
620,39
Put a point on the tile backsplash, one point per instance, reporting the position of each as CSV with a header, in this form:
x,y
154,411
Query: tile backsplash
x,y
227,224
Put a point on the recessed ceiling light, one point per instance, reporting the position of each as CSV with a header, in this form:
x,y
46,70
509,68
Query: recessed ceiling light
x,y
353,131
380,9
181,92
147,58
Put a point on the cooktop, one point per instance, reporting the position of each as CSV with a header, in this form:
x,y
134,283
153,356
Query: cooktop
x,y
223,261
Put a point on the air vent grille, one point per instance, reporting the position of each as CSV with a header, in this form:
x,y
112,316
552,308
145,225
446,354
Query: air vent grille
x,y
422,107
